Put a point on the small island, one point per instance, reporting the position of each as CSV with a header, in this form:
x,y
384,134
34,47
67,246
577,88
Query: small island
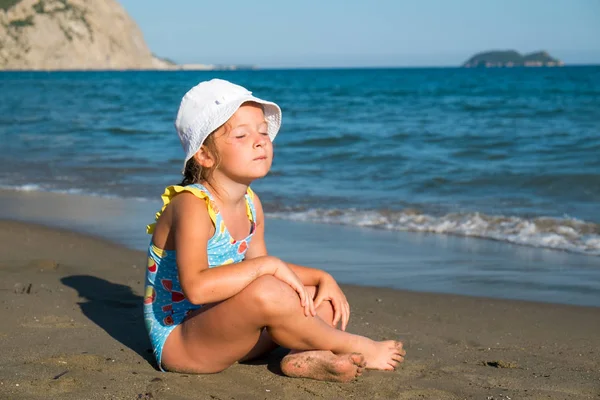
x,y
512,58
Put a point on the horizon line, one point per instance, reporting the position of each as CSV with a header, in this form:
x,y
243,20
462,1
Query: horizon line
x,y
258,68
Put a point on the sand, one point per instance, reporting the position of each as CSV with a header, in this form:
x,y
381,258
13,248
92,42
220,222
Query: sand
x,y
72,328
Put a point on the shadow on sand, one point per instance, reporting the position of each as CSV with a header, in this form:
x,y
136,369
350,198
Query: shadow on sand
x,y
114,308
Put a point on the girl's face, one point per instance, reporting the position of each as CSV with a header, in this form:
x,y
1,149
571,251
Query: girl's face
x,y
244,146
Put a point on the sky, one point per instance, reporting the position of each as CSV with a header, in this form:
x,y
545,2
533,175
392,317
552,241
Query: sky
x,y
364,33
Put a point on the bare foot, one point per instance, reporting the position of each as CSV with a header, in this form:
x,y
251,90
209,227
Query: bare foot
x,y
384,355
323,365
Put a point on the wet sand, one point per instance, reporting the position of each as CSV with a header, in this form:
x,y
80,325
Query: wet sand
x,y
72,329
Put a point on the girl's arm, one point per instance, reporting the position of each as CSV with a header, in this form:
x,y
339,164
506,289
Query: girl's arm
x,y
309,276
191,227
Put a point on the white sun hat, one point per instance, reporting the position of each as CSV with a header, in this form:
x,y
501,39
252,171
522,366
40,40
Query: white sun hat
x,y
208,105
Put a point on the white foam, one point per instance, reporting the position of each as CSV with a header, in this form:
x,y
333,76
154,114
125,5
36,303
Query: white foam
x,y
24,188
555,233
72,191
567,233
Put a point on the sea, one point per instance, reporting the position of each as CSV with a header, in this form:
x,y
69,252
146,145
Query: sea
x,y
503,154
510,155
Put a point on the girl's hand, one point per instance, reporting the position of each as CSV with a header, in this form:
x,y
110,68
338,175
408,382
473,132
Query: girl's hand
x,y
329,290
285,274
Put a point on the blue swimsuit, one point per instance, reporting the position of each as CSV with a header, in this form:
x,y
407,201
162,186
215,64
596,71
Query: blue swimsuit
x,y
165,305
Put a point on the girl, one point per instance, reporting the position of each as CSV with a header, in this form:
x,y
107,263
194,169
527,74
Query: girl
x,y
202,319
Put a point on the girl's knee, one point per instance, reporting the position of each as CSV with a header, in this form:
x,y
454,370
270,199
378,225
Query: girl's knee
x,y
272,295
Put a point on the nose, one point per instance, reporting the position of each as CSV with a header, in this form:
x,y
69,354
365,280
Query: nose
x,y
261,140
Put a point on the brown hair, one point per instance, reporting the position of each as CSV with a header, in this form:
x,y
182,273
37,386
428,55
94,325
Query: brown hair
x,y
194,172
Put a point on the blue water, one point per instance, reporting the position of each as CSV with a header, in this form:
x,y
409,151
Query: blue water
x,y
504,154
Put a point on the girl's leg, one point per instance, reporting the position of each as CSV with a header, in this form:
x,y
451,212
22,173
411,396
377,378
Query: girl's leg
x,y
321,365
214,339
266,344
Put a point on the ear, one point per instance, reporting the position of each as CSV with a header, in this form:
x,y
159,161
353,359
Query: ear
x,y
204,158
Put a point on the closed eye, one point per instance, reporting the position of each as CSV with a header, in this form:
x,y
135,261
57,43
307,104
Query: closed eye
x,y
263,129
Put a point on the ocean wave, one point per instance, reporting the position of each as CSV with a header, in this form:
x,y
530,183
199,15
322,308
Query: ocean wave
x,y
119,130
71,191
566,234
317,142
23,188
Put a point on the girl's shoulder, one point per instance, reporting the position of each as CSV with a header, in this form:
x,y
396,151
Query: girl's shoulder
x,y
198,192
171,199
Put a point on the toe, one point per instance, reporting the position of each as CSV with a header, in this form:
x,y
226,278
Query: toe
x,y
357,359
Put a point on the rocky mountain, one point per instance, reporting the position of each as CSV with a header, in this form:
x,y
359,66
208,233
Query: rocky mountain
x,y
511,58
71,35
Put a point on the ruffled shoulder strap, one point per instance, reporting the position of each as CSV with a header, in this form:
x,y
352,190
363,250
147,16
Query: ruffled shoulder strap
x,y
197,190
250,210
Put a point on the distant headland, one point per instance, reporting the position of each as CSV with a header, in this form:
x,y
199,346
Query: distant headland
x,y
512,58
54,35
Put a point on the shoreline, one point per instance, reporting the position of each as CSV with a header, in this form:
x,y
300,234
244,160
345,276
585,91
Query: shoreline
x,y
74,329
399,260
68,234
